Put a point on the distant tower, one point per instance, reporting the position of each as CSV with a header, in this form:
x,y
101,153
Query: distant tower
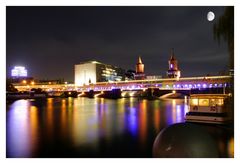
x,y
139,70
173,71
139,66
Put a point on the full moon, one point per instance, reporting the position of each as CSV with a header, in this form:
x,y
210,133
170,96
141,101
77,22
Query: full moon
x,y
210,16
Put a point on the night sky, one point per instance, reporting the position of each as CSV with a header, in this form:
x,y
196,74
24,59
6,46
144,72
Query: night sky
x,y
49,41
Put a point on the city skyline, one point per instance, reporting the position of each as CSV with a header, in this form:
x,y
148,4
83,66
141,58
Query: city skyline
x,y
49,41
119,81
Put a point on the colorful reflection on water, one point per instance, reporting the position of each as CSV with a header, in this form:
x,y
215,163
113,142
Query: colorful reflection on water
x,y
23,129
79,127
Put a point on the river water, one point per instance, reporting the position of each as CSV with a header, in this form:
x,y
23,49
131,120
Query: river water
x,y
84,127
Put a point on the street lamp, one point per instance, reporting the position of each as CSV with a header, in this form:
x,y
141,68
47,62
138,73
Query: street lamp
x,y
24,82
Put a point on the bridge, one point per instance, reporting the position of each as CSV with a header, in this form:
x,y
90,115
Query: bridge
x,y
137,87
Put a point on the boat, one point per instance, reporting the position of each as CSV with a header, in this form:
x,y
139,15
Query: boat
x,y
210,108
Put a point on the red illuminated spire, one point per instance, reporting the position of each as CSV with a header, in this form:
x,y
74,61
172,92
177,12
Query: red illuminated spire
x,y
139,60
139,66
173,70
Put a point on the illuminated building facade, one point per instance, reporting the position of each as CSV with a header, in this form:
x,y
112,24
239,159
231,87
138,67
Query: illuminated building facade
x,y
19,71
19,74
173,71
153,77
139,70
92,71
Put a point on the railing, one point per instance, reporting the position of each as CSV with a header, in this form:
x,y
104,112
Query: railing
x,y
165,83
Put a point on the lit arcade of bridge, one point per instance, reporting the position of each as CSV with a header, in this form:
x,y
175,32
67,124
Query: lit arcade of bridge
x,y
185,83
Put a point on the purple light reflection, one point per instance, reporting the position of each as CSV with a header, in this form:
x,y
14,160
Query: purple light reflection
x,y
132,121
21,129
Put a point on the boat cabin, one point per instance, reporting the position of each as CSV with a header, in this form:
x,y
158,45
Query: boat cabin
x,y
209,108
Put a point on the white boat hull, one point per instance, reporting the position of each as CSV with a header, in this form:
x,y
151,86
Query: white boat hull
x,y
207,119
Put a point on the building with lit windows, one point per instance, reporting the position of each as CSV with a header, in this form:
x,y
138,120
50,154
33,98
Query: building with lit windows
x,y
139,70
19,74
18,71
92,71
173,71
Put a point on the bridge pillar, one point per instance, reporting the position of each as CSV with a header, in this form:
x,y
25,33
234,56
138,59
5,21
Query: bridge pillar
x,y
113,94
66,94
90,94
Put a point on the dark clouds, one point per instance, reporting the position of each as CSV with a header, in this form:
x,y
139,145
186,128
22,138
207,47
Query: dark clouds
x,y
50,40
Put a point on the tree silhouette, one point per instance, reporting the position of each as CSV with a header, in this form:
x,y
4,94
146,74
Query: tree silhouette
x,y
10,87
224,29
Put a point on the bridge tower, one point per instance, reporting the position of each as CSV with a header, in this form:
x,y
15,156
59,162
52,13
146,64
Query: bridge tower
x,y
173,71
139,70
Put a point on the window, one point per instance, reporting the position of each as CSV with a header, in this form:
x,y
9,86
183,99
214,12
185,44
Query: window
x,y
219,102
214,102
203,102
194,102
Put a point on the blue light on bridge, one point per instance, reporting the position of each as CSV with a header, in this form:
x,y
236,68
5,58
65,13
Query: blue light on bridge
x,y
204,85
182,84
